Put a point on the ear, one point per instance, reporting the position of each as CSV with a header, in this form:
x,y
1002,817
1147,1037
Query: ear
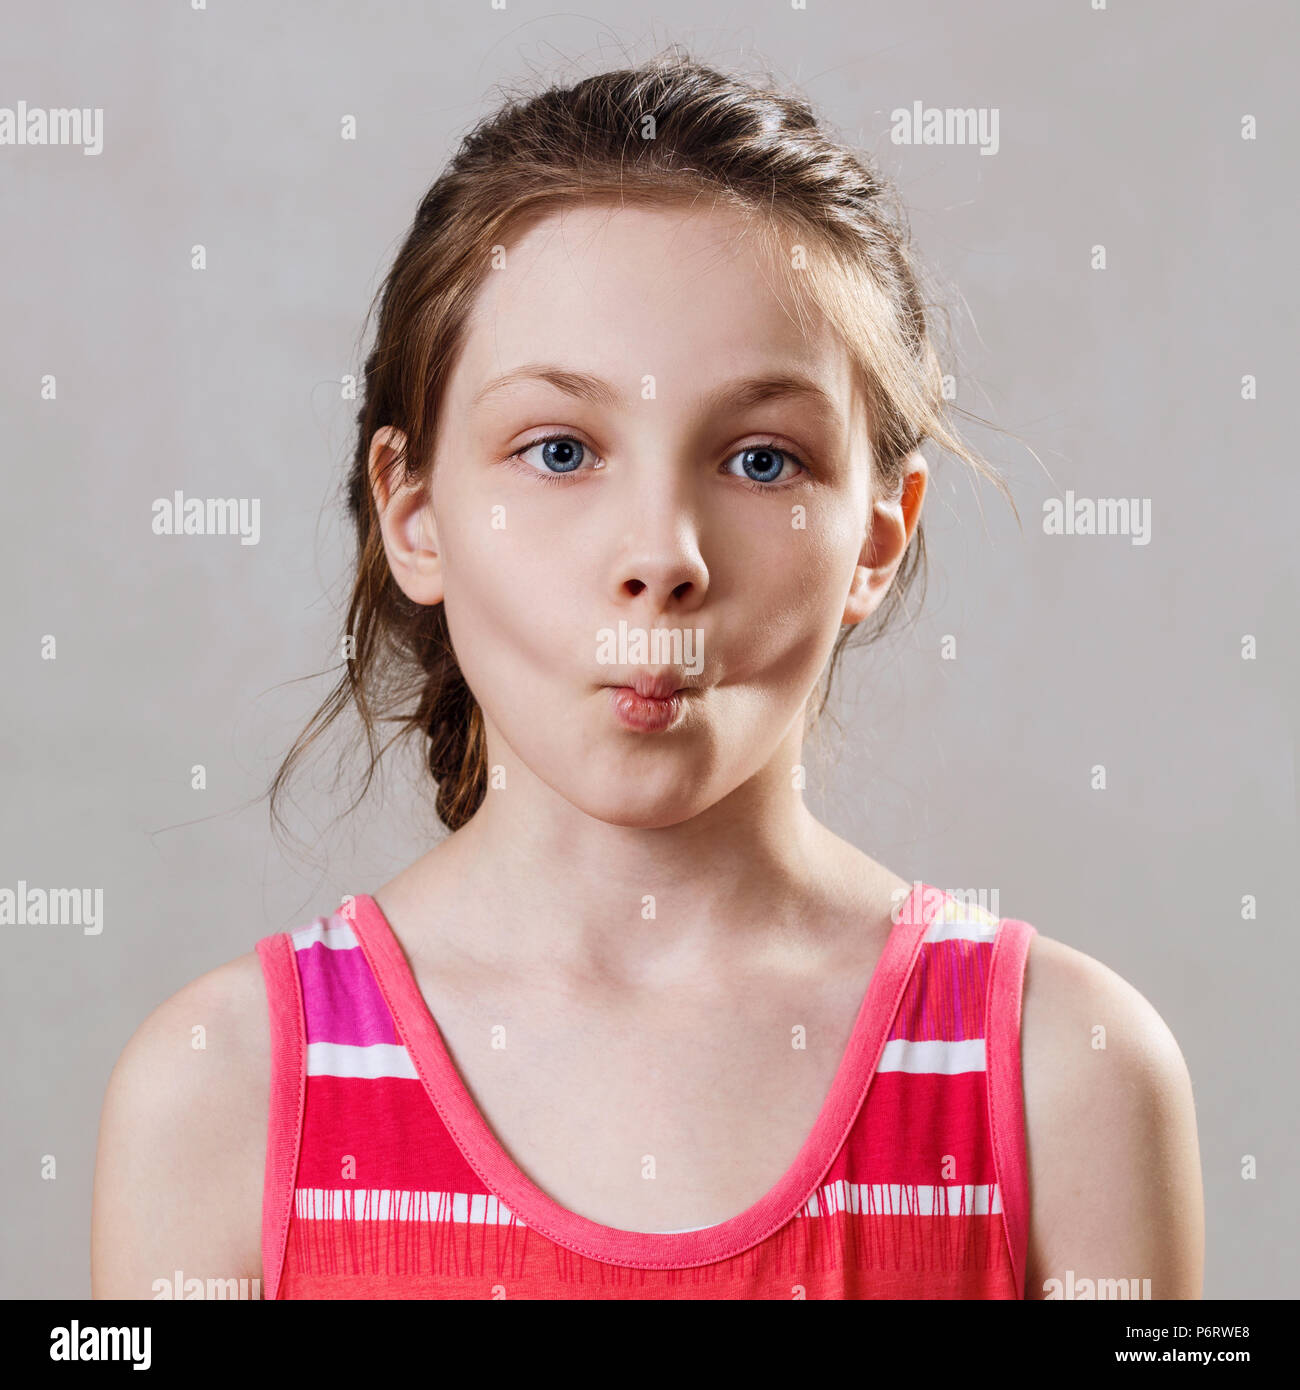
x,y
406,520
893,520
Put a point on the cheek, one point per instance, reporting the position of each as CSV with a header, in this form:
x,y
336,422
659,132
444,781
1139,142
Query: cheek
x,y
503,546
790,588
509,595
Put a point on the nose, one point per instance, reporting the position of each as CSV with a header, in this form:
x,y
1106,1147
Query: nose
x,y
661,566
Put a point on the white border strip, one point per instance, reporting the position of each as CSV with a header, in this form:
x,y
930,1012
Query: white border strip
x,y
966,929
934,1057
371,1061
331,932
388,1204
906,1199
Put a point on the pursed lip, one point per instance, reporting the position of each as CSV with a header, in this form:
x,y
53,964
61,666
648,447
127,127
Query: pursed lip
x,y
653,685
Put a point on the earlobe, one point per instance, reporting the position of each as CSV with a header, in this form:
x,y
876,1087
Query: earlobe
x,y
406,520
893,523
864,596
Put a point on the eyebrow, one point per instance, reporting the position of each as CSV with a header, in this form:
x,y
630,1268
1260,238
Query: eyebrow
x,y
743,393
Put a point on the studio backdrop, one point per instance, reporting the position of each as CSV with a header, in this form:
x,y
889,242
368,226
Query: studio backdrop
x,y
1090,722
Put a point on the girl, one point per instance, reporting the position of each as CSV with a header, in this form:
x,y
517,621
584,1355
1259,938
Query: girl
x,y
639,449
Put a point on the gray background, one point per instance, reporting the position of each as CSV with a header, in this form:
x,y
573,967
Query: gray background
x,y
222,127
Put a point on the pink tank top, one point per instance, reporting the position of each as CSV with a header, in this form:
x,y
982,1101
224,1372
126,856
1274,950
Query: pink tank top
x,y
383,1180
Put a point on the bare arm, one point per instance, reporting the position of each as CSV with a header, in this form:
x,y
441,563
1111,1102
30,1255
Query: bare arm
x,y
1114,1163
182,1140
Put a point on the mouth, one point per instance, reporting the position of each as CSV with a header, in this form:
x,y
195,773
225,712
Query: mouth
x,y
649,703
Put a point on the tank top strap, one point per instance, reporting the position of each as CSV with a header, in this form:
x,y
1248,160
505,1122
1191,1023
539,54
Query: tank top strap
x,y
1005,1084
941,1133
288,1086
359,1164
322,999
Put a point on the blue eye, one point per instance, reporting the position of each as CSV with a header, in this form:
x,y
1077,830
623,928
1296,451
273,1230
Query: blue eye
x,y
561,453
763,463
764,466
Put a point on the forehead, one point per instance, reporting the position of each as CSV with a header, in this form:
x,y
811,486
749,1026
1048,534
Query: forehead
x,y
686,295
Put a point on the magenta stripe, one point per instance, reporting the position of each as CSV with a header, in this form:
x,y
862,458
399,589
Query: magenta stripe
x,y
945,996
341,1000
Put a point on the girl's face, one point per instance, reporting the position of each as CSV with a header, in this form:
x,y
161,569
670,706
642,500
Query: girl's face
x,y
706,486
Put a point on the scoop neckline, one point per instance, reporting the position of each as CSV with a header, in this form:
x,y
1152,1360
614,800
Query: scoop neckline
x,y
503,1178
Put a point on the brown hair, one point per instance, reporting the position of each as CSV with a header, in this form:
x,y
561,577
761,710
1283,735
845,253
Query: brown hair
x,y
666,130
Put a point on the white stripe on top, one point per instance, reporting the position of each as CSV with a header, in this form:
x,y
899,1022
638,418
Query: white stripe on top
x,y
390,1204
968,929
332,932
936,1057
372,1061
932,1057
905,1199
484,1209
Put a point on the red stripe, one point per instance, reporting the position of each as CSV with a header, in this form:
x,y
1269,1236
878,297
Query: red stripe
x,y
388,1129
911,1123
844,1256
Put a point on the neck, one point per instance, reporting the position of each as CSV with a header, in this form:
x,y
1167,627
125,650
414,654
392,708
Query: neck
x,y
536,879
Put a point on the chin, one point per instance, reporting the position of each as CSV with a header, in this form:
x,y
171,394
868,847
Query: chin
x,y
640,809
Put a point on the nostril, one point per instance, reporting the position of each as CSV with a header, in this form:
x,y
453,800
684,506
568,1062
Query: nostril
x,y
635,586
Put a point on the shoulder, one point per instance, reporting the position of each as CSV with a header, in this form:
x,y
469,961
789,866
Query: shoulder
x,y
182,1139
1114,1164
